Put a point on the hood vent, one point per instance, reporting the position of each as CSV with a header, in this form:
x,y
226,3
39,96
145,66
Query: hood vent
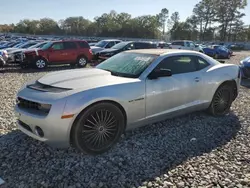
x,y
46,88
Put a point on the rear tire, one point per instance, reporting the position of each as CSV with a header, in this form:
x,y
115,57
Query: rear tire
x,y
222,101
98,128
82,61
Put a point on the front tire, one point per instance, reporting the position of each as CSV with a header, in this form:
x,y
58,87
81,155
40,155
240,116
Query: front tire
x,y
41,63
98,128
222,101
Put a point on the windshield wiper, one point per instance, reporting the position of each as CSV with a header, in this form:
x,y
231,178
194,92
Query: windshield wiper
x,y
113,73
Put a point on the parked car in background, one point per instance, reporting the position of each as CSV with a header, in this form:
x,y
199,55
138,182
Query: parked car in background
x,y
73,52
4,56
104,44
92,43
2,61
15,56
91,108
217,51
163,45
245,68
185,45
229,49
24,45
123,46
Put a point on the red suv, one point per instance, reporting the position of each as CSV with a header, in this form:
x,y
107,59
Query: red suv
x,y
73,52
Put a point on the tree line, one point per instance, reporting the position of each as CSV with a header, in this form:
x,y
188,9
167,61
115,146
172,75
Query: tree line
x,y
210,20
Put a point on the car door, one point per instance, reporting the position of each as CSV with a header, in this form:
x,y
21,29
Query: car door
x,y
177,92
70,51
56,52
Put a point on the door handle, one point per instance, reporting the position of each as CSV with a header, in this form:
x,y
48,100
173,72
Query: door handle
x,y
197,79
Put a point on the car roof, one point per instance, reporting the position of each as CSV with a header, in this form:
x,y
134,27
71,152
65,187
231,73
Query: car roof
x,y
111,40
154,51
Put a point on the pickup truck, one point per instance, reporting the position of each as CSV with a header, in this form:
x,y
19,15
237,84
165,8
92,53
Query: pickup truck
x,y
185,45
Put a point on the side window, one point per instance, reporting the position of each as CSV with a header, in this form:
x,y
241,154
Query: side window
x,y
129,47
139,45
188,44
57,46
110,44
70,45
202,63
83,45
192,45
179,64
181,43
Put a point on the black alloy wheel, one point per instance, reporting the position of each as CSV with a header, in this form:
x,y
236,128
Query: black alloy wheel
x,y
222,100
98,128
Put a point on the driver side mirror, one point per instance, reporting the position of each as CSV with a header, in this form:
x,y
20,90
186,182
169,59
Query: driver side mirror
x,y
157,73
196,46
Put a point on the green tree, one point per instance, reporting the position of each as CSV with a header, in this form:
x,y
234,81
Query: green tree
x,y
226,12
205,12
174,19
163,16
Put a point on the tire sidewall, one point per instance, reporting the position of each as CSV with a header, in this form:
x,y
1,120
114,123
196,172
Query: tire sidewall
x,y
77,127
212,108
38,59
78,59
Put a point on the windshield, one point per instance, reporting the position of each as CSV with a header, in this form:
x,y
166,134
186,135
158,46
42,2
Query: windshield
x,y
127,64
46,46
119,45
101,44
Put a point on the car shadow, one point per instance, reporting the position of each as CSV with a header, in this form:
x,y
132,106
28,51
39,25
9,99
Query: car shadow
x,y
141,155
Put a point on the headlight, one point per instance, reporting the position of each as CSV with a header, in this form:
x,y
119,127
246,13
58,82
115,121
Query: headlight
x,y
44,107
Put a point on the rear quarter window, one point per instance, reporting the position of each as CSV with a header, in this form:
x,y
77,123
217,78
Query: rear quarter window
x,y
83,44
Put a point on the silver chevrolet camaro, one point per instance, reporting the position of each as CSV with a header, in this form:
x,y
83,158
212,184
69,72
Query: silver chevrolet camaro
x,y
90,108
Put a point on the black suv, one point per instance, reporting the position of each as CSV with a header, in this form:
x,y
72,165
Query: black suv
x,y
123,46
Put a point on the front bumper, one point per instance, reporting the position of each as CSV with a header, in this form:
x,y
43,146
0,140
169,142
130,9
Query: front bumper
x,y
56,131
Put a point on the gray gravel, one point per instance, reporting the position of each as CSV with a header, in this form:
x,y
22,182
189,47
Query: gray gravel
x,y
196,150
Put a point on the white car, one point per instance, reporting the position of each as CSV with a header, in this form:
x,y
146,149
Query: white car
x,y
103,44
185,45
91,108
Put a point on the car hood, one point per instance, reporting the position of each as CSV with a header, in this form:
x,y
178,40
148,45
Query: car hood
x,y
17,50
88,78
109,50
96,49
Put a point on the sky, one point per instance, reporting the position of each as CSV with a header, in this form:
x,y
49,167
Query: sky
x,y
12,11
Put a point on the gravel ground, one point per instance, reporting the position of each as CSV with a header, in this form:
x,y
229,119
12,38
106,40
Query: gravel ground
x,y
196,150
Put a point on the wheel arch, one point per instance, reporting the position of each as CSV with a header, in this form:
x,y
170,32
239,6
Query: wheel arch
x,y
82,55
231,83
92,104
